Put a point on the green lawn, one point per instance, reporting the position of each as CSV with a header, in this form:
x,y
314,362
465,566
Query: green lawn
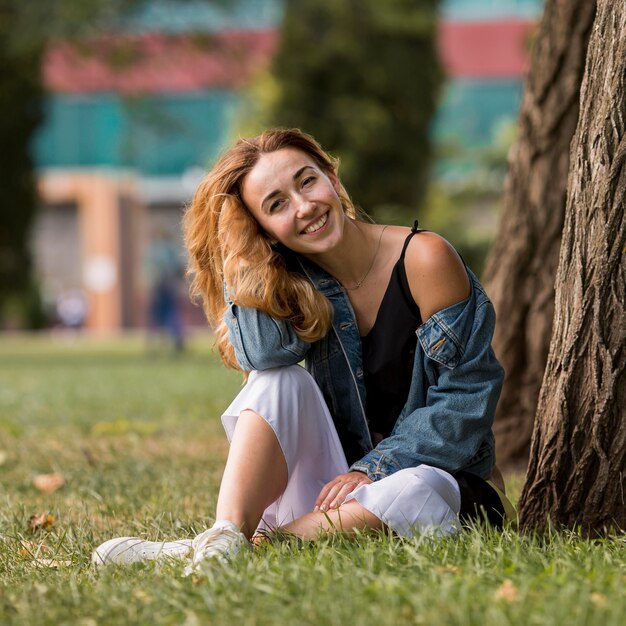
x,y
137,437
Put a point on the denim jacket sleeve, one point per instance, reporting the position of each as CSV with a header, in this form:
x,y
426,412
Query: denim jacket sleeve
x,y
456,385
260,341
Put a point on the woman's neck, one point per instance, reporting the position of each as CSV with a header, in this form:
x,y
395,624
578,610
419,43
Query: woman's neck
x,y
355,255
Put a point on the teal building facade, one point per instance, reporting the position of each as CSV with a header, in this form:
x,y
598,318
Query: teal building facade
x,y
167,133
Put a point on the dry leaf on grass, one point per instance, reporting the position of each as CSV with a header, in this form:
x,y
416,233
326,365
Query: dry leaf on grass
x,y
51,563
89,457
599,599
507,591
32,548
49,482
447,569
40,521
142,596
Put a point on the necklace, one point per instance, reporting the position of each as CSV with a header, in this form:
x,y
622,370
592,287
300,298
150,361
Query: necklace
x,y
369,269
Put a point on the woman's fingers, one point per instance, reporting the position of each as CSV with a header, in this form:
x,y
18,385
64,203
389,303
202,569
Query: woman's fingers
x,y
341,494
329,496
334,493
324,492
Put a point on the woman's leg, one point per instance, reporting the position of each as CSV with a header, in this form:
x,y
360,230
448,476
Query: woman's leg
x,y
255,475
418,500
300,454
345,519
284,449
279,463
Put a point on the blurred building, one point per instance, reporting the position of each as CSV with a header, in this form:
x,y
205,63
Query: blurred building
x,y
133,121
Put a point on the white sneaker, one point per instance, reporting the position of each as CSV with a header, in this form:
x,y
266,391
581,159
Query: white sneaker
x,y
221,542
128,550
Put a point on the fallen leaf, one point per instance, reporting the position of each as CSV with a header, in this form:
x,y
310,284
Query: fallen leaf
x,y
51,563
507,591
40,521
32,548
191,619
447,569
142,596
599,599
89,457
49,482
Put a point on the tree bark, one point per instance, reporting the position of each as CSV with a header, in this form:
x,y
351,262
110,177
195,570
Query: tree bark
x,y
578,455
521,267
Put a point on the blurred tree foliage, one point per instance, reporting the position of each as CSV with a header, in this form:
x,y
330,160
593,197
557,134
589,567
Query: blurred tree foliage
x,y
20,99
362,76
465,196
25,29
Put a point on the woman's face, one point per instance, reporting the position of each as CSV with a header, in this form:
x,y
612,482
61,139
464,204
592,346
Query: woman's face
x,y
294,201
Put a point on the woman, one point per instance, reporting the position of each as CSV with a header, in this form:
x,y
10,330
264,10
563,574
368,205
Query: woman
x,y
392,423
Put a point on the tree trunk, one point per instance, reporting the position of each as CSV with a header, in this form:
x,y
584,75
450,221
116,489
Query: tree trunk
x,y
521,267
578,456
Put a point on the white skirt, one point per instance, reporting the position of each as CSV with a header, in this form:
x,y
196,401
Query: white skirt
x,y
418,500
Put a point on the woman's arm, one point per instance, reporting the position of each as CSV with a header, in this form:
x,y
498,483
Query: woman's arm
x,y
260,341
463,376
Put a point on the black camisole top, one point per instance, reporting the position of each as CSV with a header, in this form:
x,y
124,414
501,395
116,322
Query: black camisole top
x,y
389,351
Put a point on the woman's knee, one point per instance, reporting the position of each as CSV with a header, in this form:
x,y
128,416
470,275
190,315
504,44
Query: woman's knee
x,y
292,382
293,376
416,500
282,395
425,478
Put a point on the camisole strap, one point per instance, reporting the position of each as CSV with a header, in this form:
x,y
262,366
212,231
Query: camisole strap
x,y
414,230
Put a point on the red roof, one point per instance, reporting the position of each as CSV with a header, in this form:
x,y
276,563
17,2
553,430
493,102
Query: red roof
x,y
162,63
485,49
158,63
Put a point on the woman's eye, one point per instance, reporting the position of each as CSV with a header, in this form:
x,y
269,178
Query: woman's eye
x,y
275,205
308,181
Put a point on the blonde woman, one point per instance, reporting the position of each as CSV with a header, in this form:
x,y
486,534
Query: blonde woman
x,y
390,422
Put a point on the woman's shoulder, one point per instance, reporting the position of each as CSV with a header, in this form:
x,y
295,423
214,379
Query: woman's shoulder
x,y
436,273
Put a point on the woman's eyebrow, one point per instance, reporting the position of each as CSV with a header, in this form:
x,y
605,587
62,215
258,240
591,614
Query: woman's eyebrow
x,y
299,172
295,177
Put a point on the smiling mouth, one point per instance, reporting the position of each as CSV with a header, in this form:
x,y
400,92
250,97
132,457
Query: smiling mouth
x,y
316,225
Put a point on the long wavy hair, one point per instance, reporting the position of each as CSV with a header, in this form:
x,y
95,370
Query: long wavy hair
x,y
227,246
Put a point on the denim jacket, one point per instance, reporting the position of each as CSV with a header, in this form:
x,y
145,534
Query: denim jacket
x,y
456,381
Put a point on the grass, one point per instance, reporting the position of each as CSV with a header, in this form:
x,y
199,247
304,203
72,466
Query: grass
x,y
138,439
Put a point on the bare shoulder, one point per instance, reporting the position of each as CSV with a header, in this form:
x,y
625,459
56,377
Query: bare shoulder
x,y
436,273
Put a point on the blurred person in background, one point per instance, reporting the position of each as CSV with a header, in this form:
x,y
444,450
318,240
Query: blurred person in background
x,y
391,424
165,270
71,308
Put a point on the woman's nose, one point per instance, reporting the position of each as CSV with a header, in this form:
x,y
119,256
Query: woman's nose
x,y
305,207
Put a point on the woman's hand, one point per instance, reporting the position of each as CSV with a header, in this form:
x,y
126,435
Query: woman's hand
x,y
334,493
